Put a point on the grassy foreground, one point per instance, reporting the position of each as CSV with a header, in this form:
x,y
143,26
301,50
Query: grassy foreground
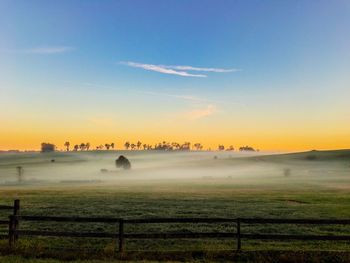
x,y
261,257
20,259
183,201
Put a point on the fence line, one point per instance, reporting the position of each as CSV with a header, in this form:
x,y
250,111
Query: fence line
x,y
15,232
121,235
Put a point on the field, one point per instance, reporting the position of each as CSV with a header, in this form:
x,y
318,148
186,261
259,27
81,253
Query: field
x,y
195,184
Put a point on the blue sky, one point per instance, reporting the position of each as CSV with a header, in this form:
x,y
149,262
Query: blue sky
x,y
86,63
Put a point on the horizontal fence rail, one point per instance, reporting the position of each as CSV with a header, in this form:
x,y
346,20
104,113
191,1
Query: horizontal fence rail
x,y
120,235
5,207
180,220
69,219
295,221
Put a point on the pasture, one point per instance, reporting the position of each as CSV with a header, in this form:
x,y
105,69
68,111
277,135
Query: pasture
x,y
188,184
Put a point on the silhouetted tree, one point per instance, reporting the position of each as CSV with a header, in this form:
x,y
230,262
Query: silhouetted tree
x,y
107,146
76,147
87,146
47,147
198,146
127,145
82,146
164,146
67,144
175,145
123,162
112,145
230,148
138,144
246,148
133,146
221,147
186,146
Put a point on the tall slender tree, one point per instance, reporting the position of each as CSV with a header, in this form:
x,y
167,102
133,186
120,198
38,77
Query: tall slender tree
x,y
67,144
82,146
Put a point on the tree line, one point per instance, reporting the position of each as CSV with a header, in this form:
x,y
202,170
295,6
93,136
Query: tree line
x,y
162,146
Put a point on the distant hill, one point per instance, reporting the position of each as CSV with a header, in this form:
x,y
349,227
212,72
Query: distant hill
x,y
332,155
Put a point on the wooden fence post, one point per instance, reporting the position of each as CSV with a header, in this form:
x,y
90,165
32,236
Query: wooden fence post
x,y
16,209
238,234
121,236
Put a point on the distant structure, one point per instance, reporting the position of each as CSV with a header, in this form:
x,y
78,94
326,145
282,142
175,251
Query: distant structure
x,y
123,162
47,147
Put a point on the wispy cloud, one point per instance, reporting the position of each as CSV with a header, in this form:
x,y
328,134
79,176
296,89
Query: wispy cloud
x,y
190,68
201,113
176,70
43,50
161,69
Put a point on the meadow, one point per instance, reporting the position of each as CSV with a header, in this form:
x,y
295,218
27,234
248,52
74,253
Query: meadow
x,y
187,184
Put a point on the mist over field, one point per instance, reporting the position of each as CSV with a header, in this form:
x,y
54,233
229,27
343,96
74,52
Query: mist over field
x,y
180,184
62,169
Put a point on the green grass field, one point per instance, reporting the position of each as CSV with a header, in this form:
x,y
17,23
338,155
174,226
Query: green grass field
x,y
241,186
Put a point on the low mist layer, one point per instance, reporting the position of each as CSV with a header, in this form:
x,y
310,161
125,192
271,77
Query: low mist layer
x,y
331,168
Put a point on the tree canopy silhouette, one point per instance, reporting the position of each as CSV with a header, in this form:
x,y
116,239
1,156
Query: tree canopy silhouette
x,y
123,162
47,147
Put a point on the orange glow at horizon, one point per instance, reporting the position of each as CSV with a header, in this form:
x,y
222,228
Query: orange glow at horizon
x,y
272,142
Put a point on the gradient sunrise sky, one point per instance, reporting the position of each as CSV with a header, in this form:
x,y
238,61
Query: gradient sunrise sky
x,y
270,74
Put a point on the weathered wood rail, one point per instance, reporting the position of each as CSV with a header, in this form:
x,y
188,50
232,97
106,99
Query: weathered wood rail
x,y
15,232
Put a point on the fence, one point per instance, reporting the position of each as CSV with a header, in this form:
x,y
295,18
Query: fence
x,y
121,235
15,210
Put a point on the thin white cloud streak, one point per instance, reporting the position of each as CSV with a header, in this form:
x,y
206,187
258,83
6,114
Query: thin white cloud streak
x,y
43,50
161,69
201,113
190,68
190,98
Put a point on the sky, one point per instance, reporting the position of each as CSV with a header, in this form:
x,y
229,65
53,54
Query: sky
x,y
270,74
